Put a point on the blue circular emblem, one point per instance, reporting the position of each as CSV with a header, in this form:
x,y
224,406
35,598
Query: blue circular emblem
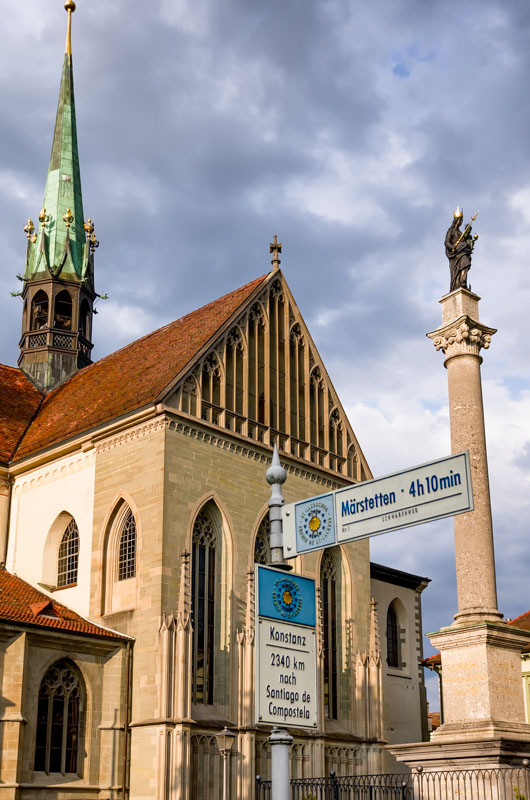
x,y
286,598
315,523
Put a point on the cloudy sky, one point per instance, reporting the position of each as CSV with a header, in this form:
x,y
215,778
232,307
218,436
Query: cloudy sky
x,y
349,129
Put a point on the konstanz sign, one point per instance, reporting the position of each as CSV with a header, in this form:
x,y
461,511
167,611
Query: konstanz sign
x,y
286,674
412,496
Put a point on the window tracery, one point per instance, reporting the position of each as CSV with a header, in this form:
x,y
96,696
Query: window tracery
x,y
203,607
263,380
262,549
58,721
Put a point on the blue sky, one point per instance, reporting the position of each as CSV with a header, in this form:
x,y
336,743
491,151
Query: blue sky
x,y
351,130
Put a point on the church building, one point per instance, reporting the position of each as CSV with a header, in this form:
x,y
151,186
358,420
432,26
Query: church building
x,y
133,507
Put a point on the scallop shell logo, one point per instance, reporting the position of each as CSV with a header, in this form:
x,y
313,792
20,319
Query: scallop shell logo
x,y
286,598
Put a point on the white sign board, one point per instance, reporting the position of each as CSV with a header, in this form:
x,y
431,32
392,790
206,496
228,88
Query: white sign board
x,y
412,496
286,663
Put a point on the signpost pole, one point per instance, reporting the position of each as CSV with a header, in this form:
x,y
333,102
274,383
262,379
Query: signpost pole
x,y
280,739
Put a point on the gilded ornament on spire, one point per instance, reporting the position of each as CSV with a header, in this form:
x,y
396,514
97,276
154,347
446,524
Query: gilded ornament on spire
x,y
90,235
29,228
70,7
68,218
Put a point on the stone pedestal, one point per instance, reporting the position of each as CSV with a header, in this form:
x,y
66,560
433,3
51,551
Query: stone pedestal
x,y
484,720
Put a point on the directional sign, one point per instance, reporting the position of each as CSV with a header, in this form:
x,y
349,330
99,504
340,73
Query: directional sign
x,y
286,664
426,493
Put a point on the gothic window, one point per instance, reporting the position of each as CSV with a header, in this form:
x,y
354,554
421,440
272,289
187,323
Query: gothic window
x,y
277,366
58,721
392,638
234,372
189,396
68,556
328,588
316,405
62,317
211,388
127,547
203,568
262,548
39,311
298,388
256,364
335,433
84,319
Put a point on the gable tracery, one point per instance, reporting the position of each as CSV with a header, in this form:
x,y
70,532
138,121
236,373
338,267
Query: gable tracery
x,y
263,380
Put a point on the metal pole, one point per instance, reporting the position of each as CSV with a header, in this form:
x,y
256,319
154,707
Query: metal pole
x,y
280,741
225,775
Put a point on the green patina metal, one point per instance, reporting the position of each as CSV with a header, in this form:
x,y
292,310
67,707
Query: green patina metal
x,y
57,248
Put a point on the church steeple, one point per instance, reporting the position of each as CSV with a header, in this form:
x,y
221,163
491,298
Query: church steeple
x,y
59,276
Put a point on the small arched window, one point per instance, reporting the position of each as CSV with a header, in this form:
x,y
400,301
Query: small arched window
x,y
58,721
392,638
262,548
39,311
203,607
67,562
328,588
127,547
84,319
62,317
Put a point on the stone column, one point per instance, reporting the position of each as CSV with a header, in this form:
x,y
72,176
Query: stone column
x,y
461,338
484,719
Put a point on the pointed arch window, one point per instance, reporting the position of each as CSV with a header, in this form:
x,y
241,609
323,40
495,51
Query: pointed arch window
x,y
203,568
39,311
84,319
328,588
262,548
67,562
127,547
62,317
392,638
59,720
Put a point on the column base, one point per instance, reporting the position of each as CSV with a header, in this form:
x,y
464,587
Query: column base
x,y
472,754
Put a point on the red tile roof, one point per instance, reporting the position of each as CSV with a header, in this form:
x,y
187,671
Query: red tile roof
x,y
129,378
21,602
522,621
19,400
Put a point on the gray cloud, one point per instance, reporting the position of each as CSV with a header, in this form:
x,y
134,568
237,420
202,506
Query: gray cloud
x,y
351,130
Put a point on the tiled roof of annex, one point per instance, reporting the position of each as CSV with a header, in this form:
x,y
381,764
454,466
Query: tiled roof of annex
x,y
20,602
19,401
125,380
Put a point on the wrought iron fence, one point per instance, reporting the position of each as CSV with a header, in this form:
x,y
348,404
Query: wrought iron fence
x,y
502,783
356,787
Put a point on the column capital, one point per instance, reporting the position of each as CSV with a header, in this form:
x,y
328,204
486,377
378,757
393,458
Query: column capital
x,y
463,336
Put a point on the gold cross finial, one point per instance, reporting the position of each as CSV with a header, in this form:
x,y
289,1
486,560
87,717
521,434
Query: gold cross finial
x,y
275,248
29,228
70,7
68,218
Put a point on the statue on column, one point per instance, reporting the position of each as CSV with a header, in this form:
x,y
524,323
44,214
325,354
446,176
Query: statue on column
x,y
458,249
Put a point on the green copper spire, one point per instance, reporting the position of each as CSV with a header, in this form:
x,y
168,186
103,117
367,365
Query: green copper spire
x,y
60,246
